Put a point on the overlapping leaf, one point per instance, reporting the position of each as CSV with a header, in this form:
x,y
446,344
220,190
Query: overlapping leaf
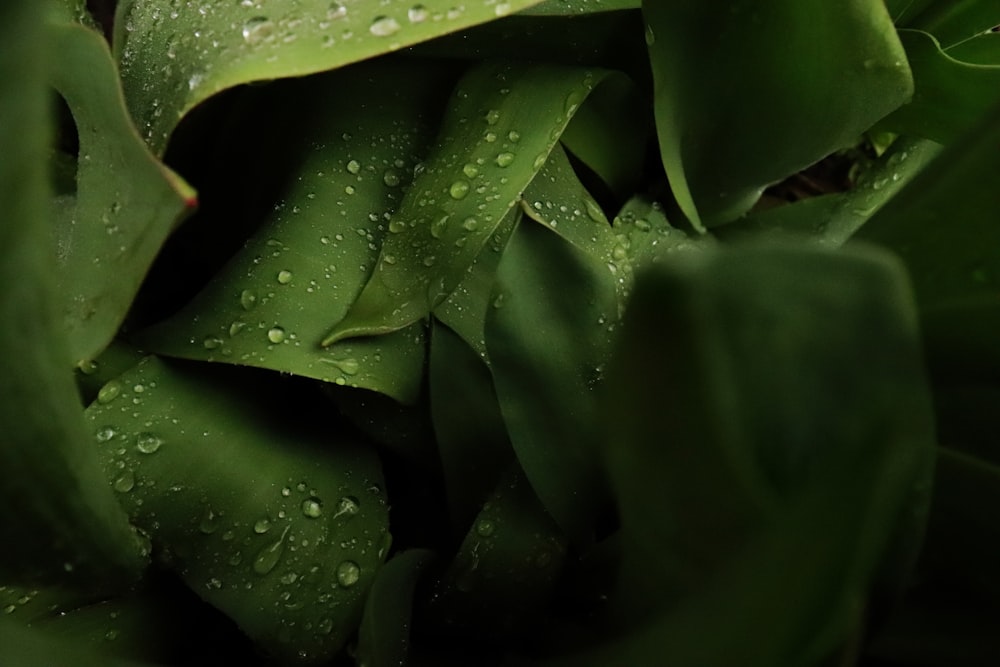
x,y
58,522
126,201
738,91
501,124
248,497
951,23
272,303
174,55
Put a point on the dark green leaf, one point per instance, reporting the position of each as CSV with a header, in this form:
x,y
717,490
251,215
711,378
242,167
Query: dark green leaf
x,y
575,7
738,91
502,122
58,522
248,497
953,22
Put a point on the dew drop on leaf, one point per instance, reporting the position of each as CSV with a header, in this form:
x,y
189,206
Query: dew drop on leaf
x,y
459,190
268,557
417,14
148,443
384,26
311,508
348,573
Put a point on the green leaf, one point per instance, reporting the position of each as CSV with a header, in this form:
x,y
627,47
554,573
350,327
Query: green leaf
x,y
834,218
643,231
126,201
548,335
950,96
384,636
472,439
271,304
738,91
26,646
981,50
249,499
174,58
769,376
954,22
58,523
505,571
502,122
943,225
576,7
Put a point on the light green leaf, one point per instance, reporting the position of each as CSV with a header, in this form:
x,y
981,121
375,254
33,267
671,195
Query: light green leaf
x,y
249,499
175,56
950,96
502,122
548,335
271,304
58,523
126,201
737,91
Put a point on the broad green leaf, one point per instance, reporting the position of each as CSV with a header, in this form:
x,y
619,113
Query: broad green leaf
x,y
250,499
949,97
574,7
57,521
97,374
643,231
29,647
943,224
739,86
557,198
126,201
548,334
953,22
610,134
503,576
272,303
175,55
472,439
981,50
502,122
834,218
745,377
384,636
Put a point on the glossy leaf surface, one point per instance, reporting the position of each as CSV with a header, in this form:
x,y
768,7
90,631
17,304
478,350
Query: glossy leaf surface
x,y
736,91
174,55
249,499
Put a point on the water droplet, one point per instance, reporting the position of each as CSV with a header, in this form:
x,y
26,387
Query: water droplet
x,y
439,226
312,508
514,136
347,506
492,117
104,433
470,170
284,277
384,26
572,102
211,342
391,178
417,14
336,11
396,226
353,166
276,334
148,443
248,299
490,137
485,527
257,30
325,626
470,224
459,189
348,366
429,260
209,522
348,573
539,161
650,36
268,557
109,392
505,159
125,483
261,526
502,9
111,635
594,211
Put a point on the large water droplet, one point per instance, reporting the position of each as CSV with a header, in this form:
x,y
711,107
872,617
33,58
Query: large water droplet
x,y
336,11
284,277
109,392
148,443
348,573
209,522
257,30
384,26
248,299
211,342
396,226
505,159
492,117
391,178
439,226
125,483
485,528
470,170
418,14
261,526
347,506
353,166
276,334
312,508
104,433
268,557
459,190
